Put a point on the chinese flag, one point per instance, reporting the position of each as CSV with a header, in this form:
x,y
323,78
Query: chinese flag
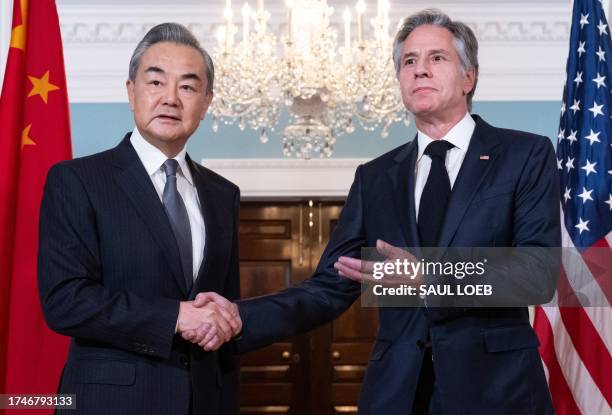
x,y
34,134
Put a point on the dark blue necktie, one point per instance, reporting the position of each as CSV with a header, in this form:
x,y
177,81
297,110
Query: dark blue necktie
x,y
435,196
179,220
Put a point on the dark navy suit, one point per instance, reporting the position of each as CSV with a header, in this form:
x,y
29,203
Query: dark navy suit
x,y
485,359
110,277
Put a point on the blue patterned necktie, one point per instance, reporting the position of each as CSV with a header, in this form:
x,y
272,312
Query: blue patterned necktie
x,y
179,220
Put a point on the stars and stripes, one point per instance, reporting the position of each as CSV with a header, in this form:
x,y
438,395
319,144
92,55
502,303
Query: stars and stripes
x,y
576,338
585,131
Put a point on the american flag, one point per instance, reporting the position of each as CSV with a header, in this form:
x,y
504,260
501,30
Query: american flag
x,y
576,341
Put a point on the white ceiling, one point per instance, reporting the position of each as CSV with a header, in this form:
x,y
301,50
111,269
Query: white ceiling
x,y
221,3
523,43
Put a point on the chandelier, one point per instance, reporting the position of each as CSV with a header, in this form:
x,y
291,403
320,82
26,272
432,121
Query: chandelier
x,y
326,87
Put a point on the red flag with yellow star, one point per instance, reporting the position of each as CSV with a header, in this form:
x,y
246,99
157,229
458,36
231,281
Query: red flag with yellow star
x,y
34,135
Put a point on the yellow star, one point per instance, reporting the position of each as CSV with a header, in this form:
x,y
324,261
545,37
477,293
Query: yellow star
x,y
25,137
42,86
18,35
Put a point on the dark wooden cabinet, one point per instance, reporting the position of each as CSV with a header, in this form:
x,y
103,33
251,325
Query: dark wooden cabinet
x,y
314,373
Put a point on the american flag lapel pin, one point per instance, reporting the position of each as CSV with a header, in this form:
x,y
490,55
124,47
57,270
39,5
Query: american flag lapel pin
x,y
484,157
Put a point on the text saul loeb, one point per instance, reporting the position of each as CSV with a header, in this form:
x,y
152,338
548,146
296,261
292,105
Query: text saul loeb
x,y
435,289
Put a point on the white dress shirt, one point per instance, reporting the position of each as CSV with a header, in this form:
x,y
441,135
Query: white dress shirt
x,y
153,159
459,136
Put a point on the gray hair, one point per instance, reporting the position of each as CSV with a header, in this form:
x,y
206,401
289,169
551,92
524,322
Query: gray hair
x,y
464,39
176,33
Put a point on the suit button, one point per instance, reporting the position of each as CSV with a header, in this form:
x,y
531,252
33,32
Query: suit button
x,y
184,361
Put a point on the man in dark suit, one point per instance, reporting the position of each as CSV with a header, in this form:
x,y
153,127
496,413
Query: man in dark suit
x,y
130,235
460,183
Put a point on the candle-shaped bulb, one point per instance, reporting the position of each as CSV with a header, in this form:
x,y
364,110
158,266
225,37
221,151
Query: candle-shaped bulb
x,y
246,16
361,7
385,17
229,35
289,4
220,34
347,29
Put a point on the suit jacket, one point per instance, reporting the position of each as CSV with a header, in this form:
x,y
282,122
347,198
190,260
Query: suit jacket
x,y
485,359
110,277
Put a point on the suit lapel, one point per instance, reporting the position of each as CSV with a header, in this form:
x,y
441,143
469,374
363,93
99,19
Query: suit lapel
x,y
139,189
471,175
402,178
213,220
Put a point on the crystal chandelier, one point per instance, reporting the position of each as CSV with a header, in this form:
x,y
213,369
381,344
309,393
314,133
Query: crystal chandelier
x,y
325,87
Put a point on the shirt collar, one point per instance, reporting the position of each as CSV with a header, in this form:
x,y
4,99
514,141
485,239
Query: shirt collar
x,y
459,135
153,158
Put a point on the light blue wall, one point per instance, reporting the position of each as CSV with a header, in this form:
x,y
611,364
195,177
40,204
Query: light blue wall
x,y
97,127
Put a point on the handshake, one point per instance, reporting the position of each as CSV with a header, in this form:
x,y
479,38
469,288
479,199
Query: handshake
x,y
209,320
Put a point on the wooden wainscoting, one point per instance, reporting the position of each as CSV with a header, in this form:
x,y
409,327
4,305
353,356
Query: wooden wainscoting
x,y
318,372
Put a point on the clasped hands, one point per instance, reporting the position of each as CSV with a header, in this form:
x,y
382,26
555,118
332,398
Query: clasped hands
x,y
209,321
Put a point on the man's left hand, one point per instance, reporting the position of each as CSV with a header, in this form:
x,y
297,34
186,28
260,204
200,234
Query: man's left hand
x,y
362,271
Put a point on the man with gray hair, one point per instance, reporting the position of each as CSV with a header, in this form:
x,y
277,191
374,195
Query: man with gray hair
x,y
130,235
460,183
